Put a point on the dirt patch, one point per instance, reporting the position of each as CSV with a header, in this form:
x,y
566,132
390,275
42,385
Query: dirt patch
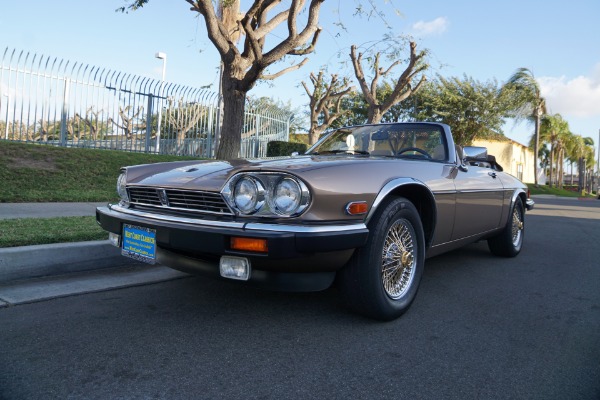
x,y
40,164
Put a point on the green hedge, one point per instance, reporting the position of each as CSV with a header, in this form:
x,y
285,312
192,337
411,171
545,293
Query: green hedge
x,y
278,148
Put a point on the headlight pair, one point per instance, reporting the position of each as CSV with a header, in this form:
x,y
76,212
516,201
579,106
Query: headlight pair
x,y
267,194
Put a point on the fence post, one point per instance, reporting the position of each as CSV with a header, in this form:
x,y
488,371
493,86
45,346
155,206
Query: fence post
x,y
149,123
64,114
257,140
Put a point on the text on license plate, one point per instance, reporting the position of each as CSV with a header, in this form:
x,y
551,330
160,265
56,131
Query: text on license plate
x,y
139,243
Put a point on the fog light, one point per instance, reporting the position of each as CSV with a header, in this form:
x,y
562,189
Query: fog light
x,y
114,239
235,268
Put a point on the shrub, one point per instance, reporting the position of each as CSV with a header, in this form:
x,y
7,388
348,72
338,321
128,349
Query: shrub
x,y
278,148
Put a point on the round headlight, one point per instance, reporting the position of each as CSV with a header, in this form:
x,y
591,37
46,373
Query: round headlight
x,y
287,195
247,195
121,189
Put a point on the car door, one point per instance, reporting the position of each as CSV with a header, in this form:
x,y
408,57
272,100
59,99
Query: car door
x,y
479,199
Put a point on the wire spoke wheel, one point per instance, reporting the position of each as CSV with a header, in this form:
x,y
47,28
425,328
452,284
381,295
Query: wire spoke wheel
x,y
382,278
517,227
509,241
398,259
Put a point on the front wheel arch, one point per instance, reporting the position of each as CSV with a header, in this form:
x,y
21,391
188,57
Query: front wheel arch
x,y
418,194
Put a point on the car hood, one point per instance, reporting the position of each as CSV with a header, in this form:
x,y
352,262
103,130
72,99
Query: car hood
x,y
211,174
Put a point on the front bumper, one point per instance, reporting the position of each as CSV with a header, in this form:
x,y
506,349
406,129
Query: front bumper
x,y
529,204
196,245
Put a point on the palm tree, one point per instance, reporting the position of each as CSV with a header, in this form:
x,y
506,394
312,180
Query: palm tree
x,y
562,145
529,105
554,131
575,151
587,163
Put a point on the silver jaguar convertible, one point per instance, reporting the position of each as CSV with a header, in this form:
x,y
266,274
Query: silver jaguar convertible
x,y
363,208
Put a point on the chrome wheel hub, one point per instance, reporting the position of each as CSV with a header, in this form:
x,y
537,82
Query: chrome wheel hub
x,y
398,259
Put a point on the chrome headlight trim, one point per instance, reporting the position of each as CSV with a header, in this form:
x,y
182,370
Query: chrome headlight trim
x,y
122,188
296,192
271,202
248,195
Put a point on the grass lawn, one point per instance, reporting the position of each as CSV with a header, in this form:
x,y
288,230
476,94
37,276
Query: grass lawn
x,y
30,231
545,189
38,173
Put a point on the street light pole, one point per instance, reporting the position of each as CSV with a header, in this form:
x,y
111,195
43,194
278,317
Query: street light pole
x,y
162,56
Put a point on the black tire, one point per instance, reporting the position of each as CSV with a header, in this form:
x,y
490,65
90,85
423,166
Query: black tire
x,y
386,294
510,241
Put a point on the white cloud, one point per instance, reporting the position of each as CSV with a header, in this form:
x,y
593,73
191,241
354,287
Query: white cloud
x,y
578,97
435,27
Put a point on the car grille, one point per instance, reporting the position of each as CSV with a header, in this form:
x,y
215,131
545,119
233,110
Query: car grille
x,y
179,200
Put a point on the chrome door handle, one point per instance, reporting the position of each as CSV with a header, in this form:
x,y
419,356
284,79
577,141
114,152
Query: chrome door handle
x,y
492,174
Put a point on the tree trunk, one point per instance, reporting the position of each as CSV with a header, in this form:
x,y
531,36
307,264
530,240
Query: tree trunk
x,y
234,105
536,147
560,163
314,135
375,115
551,166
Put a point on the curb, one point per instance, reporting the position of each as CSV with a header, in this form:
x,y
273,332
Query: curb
x,y
56,259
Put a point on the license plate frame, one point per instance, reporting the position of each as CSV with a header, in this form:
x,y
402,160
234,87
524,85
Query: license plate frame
x,y
139,243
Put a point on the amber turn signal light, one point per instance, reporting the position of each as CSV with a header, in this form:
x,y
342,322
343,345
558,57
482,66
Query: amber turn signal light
x,y
249,244
357,208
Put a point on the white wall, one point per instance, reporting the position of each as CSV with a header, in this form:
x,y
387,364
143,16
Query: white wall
x,y
511,156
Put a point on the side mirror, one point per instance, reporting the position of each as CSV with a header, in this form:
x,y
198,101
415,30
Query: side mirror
x,y
474,153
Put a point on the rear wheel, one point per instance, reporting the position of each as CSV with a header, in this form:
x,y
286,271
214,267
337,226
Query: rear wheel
x,y
382,278
509,242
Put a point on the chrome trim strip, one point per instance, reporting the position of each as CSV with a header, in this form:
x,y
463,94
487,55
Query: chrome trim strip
x,y
465,238
516,194
170,218
303,228
246,226
482,190
388,188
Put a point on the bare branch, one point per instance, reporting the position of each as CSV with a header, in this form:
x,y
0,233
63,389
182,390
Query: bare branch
x,y
360,75
285,70
402,89
325,102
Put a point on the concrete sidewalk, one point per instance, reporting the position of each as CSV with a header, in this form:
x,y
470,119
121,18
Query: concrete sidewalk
x,y
47,210
26,262
42,272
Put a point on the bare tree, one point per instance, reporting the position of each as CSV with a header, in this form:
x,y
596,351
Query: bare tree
x,y
128,125
242,67
90,121
403,85
325,102
183,118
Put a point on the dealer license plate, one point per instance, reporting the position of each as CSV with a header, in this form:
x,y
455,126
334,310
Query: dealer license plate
x,y
139,243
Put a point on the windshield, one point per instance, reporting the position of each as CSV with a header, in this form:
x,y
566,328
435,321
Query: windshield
x,y
419,141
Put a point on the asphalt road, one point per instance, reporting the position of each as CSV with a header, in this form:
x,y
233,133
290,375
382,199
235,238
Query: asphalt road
x,y
481,328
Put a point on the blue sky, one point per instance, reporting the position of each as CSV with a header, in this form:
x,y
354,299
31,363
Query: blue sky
x,y
559,41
